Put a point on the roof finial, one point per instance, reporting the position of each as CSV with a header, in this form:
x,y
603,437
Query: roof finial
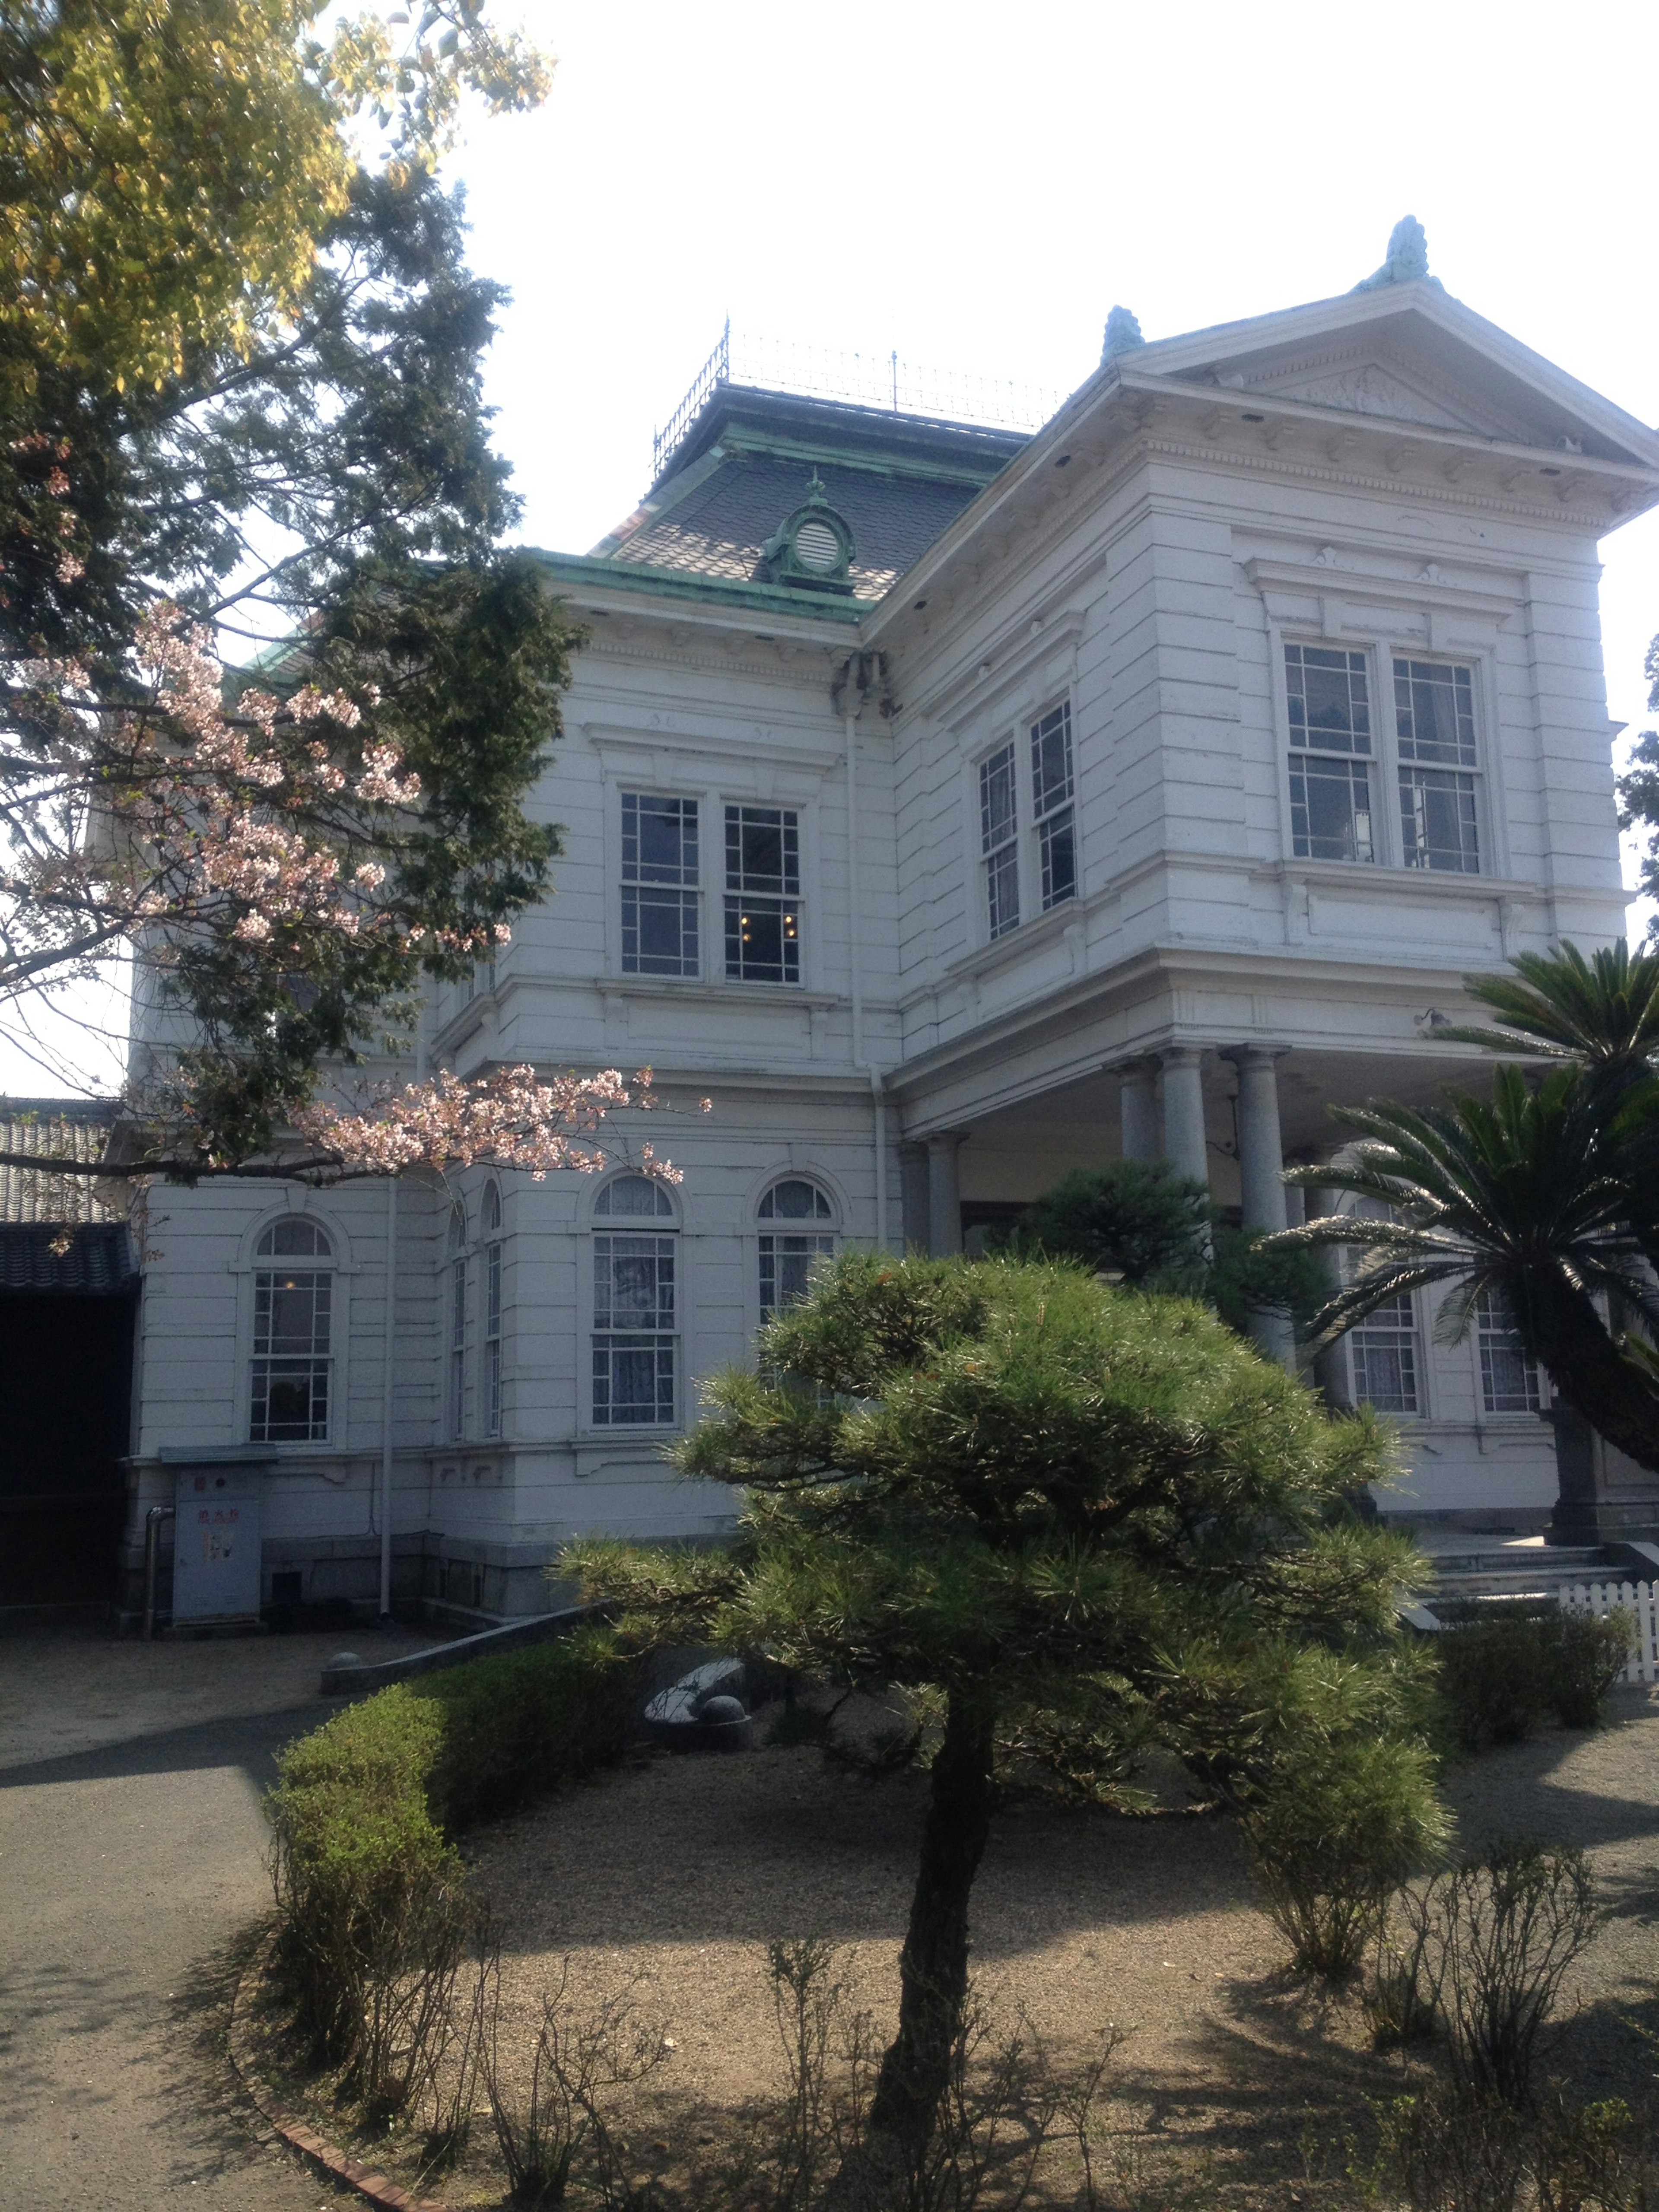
x,y
1122,335
1407,260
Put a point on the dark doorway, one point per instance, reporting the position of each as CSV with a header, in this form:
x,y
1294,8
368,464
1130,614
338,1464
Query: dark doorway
x,y
67,1302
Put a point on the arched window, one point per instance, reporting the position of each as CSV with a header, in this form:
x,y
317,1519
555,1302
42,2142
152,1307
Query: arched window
x,y
492,1263
635,1310
293,1333
455,1408
786,1254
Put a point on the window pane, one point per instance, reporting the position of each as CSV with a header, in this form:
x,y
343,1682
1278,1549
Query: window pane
x,y
762,850
1437,820
636,1194
290,1401
493,1291
1509,1380
659,840
1051,761
1384,1355
763,941
1002,891
762,905
291,1314
1329,706
1330,809
786,1267
795,1201
996,799
1434,711
634,1282
1057,844
295,1236
633,1380
659,932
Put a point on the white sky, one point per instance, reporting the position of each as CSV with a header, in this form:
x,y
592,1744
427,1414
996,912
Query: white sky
x,y
977,185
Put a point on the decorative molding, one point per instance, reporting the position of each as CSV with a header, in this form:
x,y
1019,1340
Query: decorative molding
x,y
1023,645
1315,579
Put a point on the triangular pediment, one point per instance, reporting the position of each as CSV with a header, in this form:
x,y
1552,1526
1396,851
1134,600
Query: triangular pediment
x,y
1405,353
1386,388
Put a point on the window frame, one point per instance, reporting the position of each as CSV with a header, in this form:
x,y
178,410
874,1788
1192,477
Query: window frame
x,y
1536,1379
1380,650
490,1228
792,824
1415,1345
663,1228
244,1268
1022,857
457,1326
692,896
823,1229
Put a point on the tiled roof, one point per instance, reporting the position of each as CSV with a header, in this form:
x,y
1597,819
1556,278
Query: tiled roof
x,y
719,528
743,467
93,1259
56,1128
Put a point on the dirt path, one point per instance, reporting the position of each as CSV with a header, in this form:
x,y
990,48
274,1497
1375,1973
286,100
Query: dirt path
x,y
128,1860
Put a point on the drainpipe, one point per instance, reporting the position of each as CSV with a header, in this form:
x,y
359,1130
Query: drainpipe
x,y
852,687
388,1394
153,1521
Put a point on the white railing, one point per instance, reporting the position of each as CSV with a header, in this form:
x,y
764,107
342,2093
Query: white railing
x,y
1640,1600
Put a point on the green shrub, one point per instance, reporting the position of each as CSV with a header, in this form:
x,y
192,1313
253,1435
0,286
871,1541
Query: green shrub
x,y
373,1907
520,1725
1500,1677
1581,1659
1335,1829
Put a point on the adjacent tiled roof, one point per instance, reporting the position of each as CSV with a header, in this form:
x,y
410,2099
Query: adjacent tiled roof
x,y
56,1128
745,466
90,1260
719,528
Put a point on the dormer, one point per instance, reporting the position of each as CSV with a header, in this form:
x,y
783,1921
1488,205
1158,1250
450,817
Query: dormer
x,y
813,549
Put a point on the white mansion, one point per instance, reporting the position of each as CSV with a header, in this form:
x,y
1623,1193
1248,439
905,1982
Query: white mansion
x,y
953,807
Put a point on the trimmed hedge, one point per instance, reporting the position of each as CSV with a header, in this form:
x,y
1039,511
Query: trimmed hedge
x,y
369,1882
1501,1675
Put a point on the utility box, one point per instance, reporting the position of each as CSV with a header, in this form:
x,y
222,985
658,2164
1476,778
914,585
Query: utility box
x,y
215,1547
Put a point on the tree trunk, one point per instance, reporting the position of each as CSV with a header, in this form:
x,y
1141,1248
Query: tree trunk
x,y
1585,1366
933,1965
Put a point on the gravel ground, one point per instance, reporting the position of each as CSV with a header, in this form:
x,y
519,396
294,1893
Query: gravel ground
x,y
671,1878
131,1856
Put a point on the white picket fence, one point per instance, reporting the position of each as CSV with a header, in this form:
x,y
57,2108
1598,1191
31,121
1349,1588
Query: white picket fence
x,y
1640,1600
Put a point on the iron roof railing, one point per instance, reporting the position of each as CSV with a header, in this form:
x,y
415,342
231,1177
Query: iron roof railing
x,y
864,379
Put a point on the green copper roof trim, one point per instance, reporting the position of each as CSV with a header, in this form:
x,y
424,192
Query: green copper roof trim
x,y
721,591
739,438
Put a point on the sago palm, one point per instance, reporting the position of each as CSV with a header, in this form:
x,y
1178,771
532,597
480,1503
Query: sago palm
x,y
1524,1199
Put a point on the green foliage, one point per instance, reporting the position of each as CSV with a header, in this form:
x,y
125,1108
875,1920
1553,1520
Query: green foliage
x,y
1342,1809
324,475
373,1906
1078,1517
522,1723
1541,1198
1441,2149
1140,1221
1500,1676
1136,1218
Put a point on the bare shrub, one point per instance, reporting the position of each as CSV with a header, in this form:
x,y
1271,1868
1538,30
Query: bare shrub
x,y
1402,2006
1447,2149
556,2123
1512,1923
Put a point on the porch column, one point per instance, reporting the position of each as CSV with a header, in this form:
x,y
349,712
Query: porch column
x,y
1139,1110
1261,1150
913,1187
944,1195
1261,1161
1185,1145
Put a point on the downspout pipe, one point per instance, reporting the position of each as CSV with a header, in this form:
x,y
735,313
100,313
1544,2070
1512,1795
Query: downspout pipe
x,y
152,1520
850,690
388,1394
